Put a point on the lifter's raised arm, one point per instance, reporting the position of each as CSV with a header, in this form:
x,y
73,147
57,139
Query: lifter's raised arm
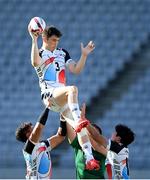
x,y
61,134
100,139
35,58
37,130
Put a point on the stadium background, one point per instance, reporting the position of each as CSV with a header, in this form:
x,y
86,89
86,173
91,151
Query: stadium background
x,y
115,83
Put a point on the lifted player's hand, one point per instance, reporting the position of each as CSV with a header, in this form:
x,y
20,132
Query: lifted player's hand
x,y
34,34
88,48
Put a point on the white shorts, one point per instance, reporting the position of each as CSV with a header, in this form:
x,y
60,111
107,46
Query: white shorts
x,y
47,94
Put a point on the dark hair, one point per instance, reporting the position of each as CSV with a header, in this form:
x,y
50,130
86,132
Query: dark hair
x,y
50,31
97,127
22,130
126,134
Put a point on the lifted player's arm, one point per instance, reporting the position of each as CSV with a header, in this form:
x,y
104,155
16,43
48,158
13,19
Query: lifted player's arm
x,y
76,68
35,58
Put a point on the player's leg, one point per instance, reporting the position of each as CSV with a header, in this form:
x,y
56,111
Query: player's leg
x,y
69,95
58,97
84,142
55,98
74,108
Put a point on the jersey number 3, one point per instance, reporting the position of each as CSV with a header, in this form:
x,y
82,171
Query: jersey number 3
x,y
57,66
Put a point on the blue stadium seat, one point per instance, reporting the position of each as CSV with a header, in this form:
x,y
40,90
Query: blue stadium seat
x,y
117,27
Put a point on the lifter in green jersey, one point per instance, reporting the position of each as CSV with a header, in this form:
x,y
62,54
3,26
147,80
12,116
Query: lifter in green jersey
x,y
81,172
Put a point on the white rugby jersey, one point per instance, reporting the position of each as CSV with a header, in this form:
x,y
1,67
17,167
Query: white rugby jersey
x,y
38,161
52,67
123,156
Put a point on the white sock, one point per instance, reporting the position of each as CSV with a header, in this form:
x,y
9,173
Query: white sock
x,y
86,146
74,108
87,149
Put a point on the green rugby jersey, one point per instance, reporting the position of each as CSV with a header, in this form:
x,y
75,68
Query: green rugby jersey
x,y
81,172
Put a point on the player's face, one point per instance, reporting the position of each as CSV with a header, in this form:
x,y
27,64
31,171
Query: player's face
x,y
52,42
115,138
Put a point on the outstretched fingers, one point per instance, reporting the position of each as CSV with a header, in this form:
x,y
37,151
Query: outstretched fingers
x,y
91,45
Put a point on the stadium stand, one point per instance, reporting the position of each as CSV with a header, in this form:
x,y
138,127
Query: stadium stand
x,y
120,30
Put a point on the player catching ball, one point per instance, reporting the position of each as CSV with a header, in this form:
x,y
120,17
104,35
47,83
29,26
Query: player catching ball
x,y
50,64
